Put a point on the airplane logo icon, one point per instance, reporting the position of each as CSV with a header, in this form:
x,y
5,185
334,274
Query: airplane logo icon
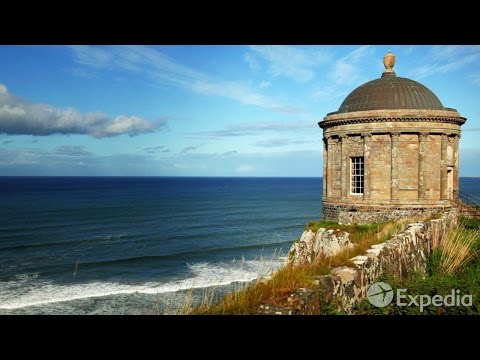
x,y
380,294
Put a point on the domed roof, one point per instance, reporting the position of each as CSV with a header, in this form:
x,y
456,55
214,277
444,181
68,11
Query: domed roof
x,y
390,92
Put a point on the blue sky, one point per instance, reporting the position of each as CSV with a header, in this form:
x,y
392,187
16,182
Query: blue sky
x,y
202,110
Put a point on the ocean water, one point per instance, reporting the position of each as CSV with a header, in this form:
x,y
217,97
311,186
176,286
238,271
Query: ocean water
x,y
110,245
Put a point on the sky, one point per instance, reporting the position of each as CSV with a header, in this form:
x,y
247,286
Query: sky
x,y
203,110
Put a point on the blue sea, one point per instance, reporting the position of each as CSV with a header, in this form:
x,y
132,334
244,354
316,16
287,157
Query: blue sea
x,y
145,245
135,245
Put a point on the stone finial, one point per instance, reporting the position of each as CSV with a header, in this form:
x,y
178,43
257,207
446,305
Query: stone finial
x,y
389,61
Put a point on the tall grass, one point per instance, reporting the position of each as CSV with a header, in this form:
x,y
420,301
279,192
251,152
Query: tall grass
x,y
456,249
274,291
288,279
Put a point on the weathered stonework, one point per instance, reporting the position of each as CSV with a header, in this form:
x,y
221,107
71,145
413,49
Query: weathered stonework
x,y
310,245
406,251
301,302
409,144
374,213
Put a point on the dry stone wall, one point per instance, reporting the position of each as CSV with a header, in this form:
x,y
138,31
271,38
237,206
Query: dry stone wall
x,y
406,251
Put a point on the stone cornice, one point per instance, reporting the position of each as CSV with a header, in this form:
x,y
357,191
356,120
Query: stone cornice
x,y
457,120
400,115
393,113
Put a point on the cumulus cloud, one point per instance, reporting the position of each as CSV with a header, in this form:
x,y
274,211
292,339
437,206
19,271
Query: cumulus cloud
x,y
23,117
70,150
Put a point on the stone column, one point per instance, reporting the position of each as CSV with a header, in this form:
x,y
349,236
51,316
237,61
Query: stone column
x,y
443,169
394,165
422,162
325,147
367,138
456,163
330,145
344,166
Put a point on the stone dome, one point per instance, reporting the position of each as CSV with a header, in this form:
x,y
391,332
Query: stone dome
x,y
390,92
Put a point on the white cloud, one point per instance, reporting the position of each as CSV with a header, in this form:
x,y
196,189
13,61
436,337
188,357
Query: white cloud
x,y
328,92
91,56
252,128
251,61
71,150
160,68
475,78
235,91
83,73
244,168
23,117
292,62
265,84
277,142
445,59
442,68
345,71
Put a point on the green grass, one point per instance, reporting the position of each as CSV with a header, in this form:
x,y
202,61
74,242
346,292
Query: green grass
x,y
470,224
465,277
331,225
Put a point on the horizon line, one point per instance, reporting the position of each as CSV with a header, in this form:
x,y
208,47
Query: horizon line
x,y
174,176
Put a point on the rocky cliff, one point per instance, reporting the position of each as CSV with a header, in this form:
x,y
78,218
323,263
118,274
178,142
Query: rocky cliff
x,y
311,244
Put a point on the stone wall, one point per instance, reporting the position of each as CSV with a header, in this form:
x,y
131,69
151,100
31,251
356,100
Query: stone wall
x,y
382,215
408,250
353,214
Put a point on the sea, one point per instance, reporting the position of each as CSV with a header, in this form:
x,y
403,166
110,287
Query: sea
x,y
141,245
146,245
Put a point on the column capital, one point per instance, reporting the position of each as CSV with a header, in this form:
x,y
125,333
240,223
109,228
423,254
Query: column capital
x,y
343,136
453,138
447,134
423,135
395,135
329,140
366,135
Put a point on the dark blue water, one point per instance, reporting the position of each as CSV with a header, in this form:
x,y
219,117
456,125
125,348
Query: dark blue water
x,y
114,245
93,241
471,186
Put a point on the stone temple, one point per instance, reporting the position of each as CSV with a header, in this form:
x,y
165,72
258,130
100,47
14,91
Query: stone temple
x,y
390,151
